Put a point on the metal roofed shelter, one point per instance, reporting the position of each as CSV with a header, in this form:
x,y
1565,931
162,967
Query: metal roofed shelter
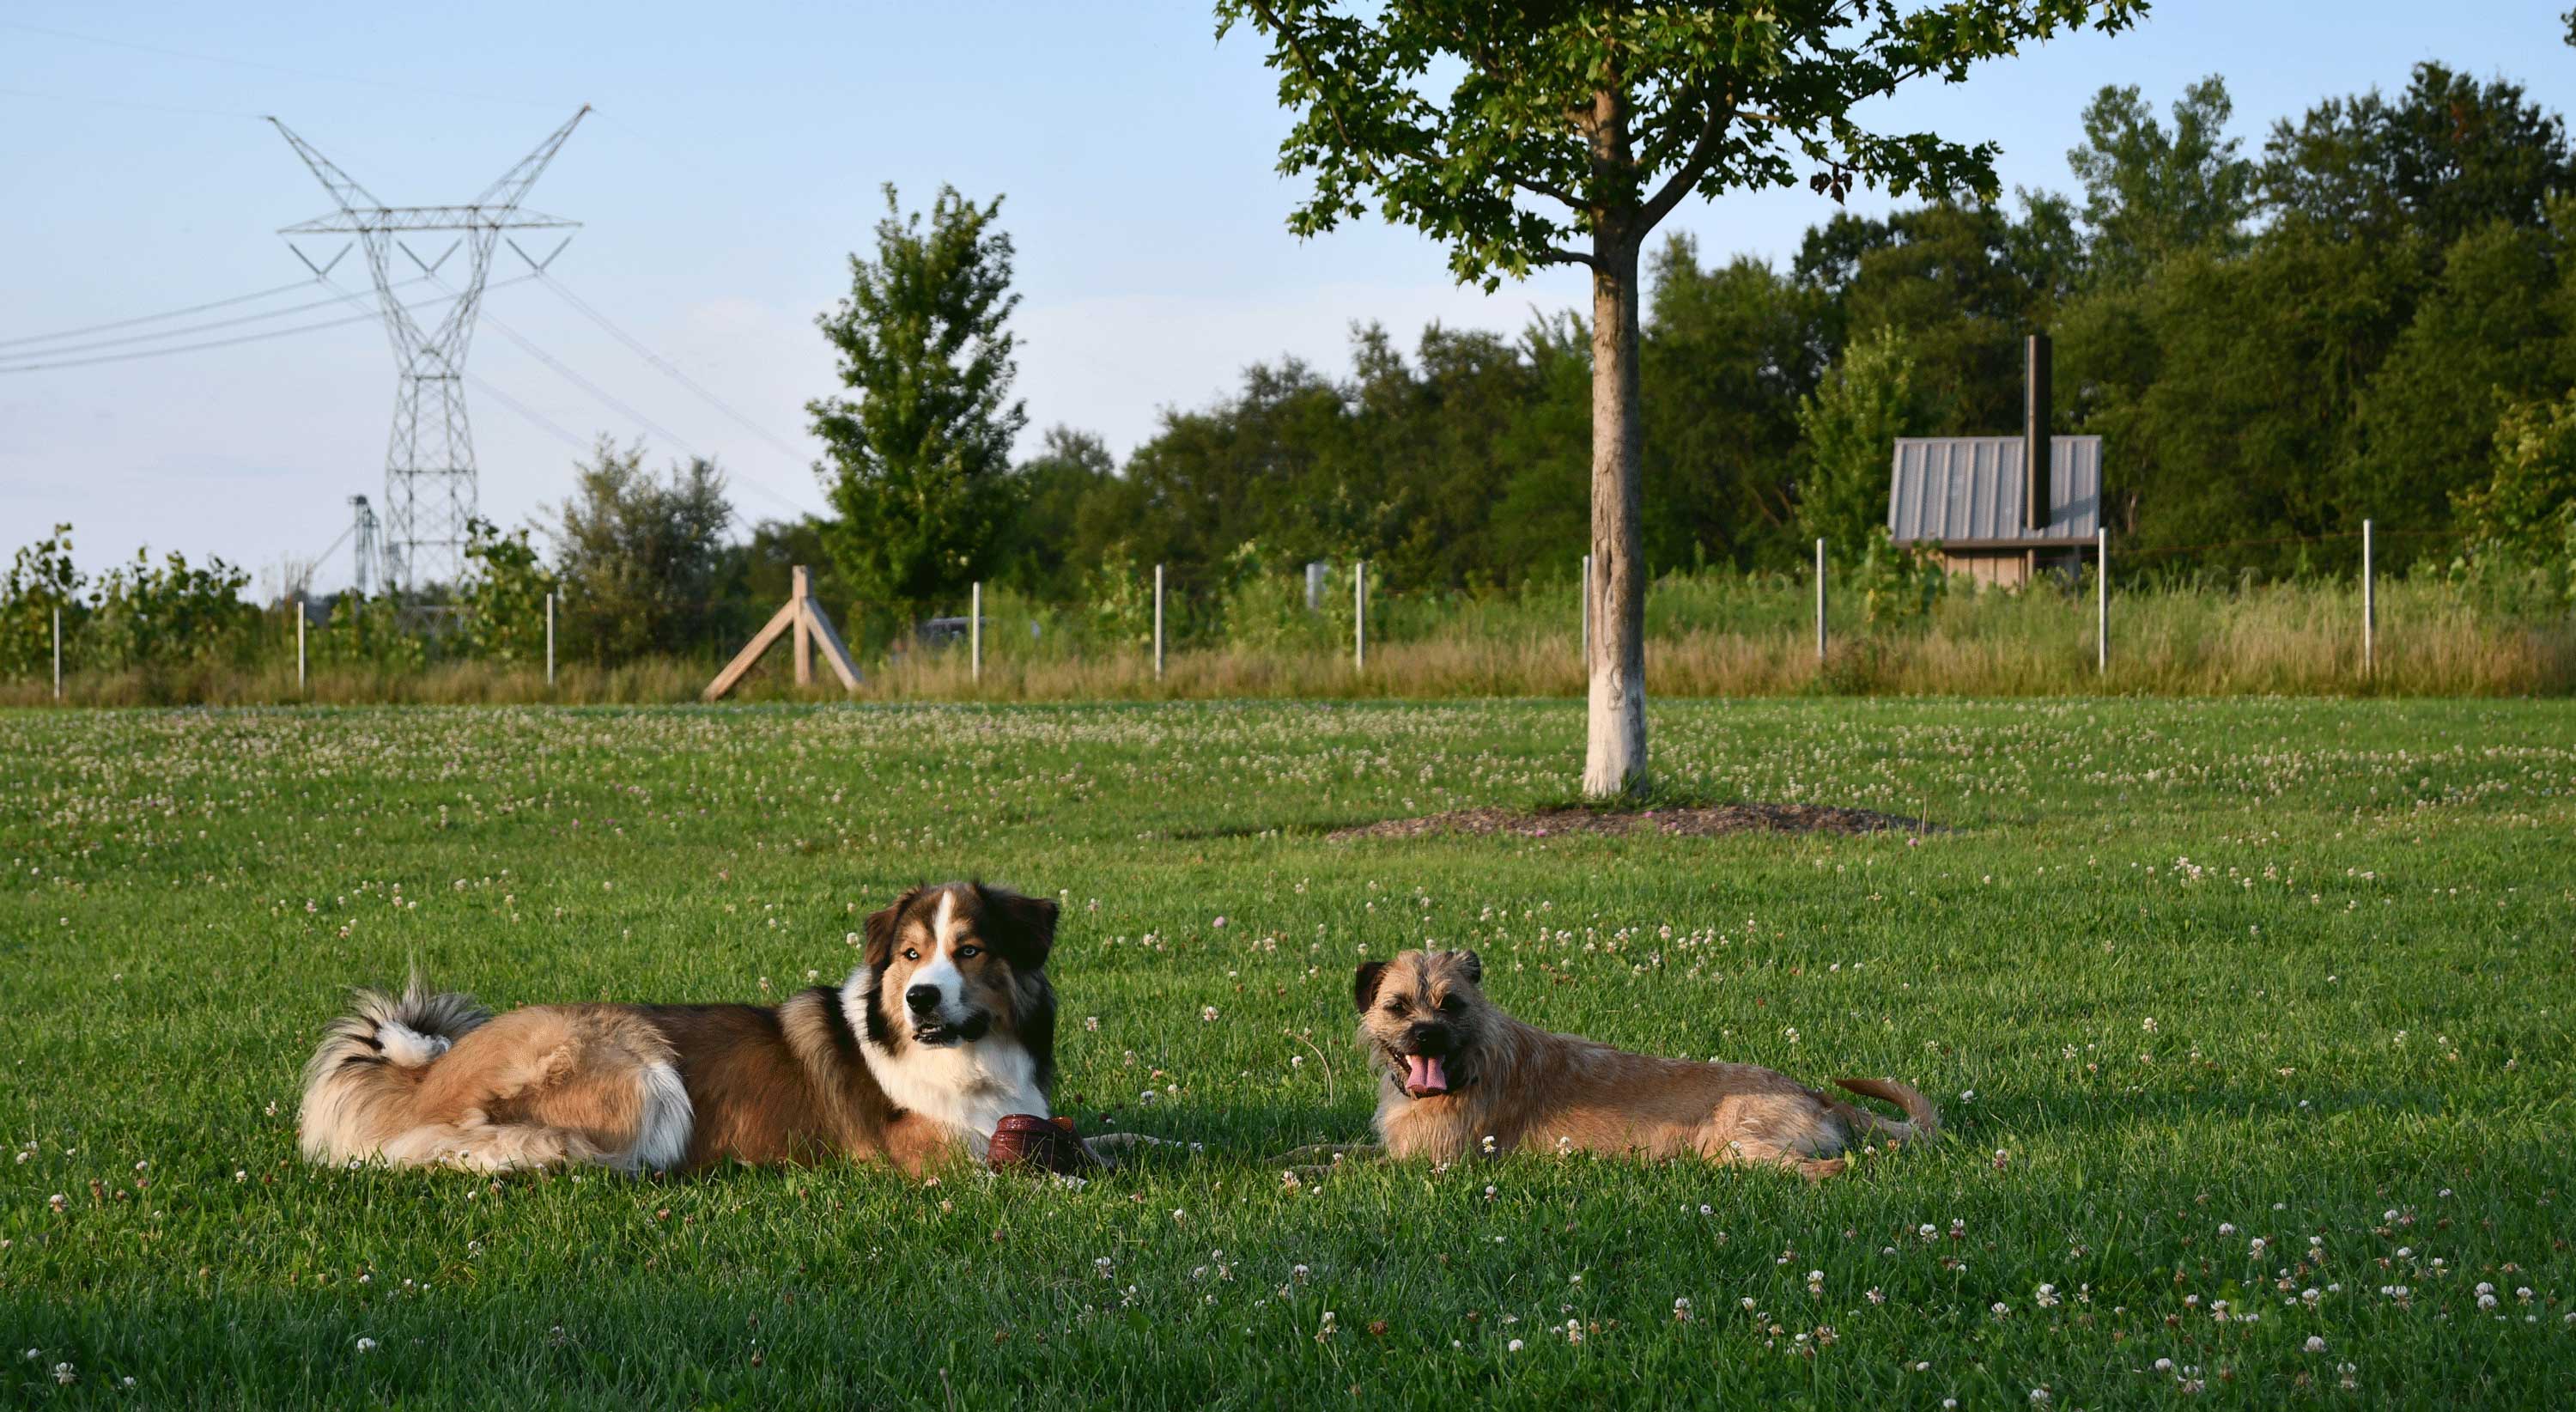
x,y
1967,498
1990,510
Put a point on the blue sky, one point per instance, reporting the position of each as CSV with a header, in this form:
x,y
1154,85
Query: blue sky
x,y
732,163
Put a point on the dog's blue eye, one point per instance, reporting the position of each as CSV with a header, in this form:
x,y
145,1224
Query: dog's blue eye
x,y
911,953
964,952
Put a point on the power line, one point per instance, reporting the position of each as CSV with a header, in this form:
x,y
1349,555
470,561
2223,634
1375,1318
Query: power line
x,y
184,347
567,437
614,404
605,397
153,318
234,322
666,366
214,343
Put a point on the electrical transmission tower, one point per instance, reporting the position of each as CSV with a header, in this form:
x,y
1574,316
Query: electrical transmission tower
x,y
362,525
429,463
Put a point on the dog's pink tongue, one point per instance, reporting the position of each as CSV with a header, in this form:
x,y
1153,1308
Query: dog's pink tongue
x,y
1424,1076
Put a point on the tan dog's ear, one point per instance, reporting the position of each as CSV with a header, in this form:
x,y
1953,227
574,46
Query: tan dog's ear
x,y
1364,984
882,925
1023,927
1475,965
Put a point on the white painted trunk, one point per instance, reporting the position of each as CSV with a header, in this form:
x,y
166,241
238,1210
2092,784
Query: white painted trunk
x,y
1614,759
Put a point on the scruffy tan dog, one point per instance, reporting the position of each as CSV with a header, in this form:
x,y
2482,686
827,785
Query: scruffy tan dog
x,y
1460,1078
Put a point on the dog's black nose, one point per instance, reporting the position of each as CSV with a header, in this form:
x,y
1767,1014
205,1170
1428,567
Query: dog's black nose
x,y
1431,1039
922,997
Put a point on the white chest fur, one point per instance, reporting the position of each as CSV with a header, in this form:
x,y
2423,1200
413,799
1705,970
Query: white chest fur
x,y
966,1088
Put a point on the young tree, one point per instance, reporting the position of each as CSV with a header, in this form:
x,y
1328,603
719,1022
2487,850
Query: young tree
x,y
504,594
42,584
1568,134
1852,419
639,553
2528,505
920,460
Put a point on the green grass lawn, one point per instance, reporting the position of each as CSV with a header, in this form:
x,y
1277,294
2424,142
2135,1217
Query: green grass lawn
x,y
2244,1016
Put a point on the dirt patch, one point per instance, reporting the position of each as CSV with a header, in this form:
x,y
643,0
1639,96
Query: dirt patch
x,y
1694,822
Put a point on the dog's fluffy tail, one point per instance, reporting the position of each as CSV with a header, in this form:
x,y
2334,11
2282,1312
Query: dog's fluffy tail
x,y
1922,1122
360,1085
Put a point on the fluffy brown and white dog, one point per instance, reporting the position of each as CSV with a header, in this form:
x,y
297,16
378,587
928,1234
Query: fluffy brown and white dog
x,y
1458,1072
947,1025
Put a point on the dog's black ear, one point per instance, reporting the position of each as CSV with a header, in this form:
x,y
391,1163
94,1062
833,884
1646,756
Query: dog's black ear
x,y
1364,984
883,924
1475,965
1021,928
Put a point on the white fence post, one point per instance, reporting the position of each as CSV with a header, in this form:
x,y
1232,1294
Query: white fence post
x,y
975,634
2101,601
1158,622
1359,618
299,646
2369,607
58,653
1820,601
550,637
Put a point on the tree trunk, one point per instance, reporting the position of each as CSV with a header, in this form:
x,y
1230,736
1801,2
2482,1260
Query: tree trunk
x,y
1614,758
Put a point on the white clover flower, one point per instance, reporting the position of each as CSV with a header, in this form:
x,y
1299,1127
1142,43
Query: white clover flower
x,y
1514,1346
2316,1344
366,1345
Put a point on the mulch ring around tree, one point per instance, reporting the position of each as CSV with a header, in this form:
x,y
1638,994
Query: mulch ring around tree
x,y
1686,821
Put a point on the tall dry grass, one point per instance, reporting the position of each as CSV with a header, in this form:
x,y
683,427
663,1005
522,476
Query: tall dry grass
x,y
2272,640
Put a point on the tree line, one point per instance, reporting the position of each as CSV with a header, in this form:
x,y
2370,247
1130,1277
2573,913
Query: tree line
x,y
2274,345
2372,314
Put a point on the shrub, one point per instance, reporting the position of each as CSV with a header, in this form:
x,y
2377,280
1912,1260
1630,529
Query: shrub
x,y
505,596
41,582
168,614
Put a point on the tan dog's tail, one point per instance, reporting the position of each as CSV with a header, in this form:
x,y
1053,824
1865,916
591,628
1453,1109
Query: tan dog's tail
x,y
359,1086
1922,1122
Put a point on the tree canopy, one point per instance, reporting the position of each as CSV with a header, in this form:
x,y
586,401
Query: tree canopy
x,y
919,461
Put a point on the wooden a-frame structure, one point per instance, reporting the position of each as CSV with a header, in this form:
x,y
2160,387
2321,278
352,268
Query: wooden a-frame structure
x,y
811,625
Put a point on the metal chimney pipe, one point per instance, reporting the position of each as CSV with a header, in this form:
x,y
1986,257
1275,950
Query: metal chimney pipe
x,y
2034,433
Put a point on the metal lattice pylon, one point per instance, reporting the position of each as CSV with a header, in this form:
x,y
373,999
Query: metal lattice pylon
x,y
429,462
363,526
